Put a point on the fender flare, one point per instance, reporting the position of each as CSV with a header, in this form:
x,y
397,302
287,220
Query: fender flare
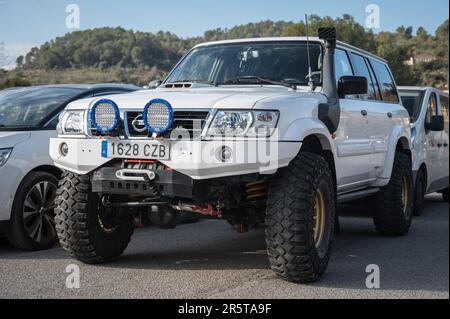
x,y
397,135
302,128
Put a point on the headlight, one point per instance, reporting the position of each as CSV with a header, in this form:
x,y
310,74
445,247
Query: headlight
x,y
4,155
71,123
231,123
243,123
265,123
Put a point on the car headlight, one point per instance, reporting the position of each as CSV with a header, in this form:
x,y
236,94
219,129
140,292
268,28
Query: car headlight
x,y
4,155
71,123
243,123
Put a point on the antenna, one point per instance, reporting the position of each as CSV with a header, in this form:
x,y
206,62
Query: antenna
x,y
310,81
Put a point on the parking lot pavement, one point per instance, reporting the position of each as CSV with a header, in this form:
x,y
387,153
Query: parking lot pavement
x,y
210,260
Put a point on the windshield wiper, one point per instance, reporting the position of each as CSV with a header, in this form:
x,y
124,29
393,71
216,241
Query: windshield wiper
x,y
259,80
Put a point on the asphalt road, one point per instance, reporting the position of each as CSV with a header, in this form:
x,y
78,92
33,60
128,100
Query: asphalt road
x,y
210,260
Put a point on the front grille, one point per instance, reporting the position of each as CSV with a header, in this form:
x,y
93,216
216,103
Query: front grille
x,y
191,122
141,131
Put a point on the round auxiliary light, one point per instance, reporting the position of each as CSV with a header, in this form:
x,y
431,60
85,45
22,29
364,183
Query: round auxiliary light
x,y
105,116
64,149
157,116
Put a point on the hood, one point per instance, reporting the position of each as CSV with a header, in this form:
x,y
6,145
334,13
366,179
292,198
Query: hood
x,y
235,97
11,139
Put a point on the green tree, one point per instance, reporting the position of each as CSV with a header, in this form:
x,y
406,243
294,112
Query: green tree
x,y
396,57
19,61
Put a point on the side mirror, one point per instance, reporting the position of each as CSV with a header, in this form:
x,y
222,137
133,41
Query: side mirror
x,y
352,85
436,124
154,84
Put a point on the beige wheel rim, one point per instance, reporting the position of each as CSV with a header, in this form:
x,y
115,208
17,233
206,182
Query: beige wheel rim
x,y
319,218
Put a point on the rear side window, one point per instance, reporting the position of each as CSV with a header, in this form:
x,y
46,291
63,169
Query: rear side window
x,y
361,69
387,86
444,107
343,66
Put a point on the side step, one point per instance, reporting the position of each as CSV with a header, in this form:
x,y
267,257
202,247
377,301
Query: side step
x,y
347,197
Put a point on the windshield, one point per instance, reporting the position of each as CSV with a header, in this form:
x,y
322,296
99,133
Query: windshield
x,y
27,107
412,101
250,63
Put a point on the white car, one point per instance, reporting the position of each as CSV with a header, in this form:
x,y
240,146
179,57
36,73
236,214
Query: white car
x,y
244,131
28,118
428,108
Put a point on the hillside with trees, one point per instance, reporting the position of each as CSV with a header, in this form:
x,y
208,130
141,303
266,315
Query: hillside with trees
x,y
119,55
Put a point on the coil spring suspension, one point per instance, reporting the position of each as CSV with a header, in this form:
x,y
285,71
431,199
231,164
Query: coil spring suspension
x,y
256,191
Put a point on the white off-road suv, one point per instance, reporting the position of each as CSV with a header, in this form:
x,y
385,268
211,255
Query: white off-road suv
x,y
274,130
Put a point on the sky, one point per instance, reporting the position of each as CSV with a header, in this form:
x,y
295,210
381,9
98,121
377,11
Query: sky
x,y
28,23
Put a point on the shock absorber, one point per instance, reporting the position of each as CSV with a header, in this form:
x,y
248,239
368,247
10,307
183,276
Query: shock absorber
x,y
256,191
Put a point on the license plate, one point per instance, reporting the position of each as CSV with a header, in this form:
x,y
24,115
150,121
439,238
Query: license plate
x,y
136,150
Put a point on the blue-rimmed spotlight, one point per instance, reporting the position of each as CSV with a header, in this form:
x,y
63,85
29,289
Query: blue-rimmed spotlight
x,y
158,116
105,116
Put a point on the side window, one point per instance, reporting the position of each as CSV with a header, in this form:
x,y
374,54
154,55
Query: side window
x,y
432,108
444,107
343,66
361,69
385,81
375,82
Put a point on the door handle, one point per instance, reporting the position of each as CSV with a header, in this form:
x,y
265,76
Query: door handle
x,y
389,115
364,113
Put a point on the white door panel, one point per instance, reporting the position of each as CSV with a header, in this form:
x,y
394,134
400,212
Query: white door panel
x,y
382,120
432,140
444,141
354,149
433,152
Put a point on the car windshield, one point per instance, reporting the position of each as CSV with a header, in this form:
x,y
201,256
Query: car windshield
x,y
412,101
27,107
251,63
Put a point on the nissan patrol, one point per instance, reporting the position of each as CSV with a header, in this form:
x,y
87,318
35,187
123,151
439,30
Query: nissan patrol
x,y
270,130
